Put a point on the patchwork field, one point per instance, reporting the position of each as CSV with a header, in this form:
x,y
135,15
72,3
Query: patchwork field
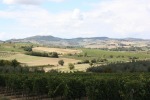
x,y
58,50
10,51
37,61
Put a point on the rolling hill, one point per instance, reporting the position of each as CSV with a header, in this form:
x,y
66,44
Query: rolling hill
x,y
92,42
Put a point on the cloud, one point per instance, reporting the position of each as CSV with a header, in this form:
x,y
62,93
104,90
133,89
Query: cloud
x,y
29,2
112,18
56,0
126,17
2,34
77,14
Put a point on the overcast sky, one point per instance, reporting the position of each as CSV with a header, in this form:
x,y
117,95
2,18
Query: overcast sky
x,y
75,18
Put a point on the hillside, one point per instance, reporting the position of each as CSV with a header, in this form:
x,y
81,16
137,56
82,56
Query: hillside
x,y
1,41
92,42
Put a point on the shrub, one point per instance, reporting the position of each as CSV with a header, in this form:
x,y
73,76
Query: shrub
x,y
85,61
43,54
61,62
71,66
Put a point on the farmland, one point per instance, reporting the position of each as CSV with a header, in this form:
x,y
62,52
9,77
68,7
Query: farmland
x,y
14,47
83,86
10,51
44,78
58,50
111,56
74,50
37,61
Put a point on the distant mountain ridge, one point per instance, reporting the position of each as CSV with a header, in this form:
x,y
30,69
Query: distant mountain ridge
x,y
91,42
51,39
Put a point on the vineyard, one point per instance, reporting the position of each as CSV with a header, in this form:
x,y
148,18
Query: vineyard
x,y
79,86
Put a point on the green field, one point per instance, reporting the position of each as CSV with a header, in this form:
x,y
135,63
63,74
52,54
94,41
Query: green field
x,y
10,51
14,47
60,81
111,56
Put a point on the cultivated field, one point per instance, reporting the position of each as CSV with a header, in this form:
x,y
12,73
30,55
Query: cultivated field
x,y
15,47
37,61
111,56
10,51
65,68
6,54
58,50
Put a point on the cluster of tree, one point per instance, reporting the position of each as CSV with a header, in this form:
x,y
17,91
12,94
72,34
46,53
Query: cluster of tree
x,y
134,66
14,66
13,63
72,86
27,48
83,55
133,58
10,69
86,61
127,49
43,54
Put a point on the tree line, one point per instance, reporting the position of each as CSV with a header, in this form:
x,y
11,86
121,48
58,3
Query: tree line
x,y
134,66
13,66
44,54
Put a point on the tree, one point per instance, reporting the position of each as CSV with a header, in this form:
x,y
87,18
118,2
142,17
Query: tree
x,y
93,61
15,63
91,64
85,54
61,62
71,66
85,61
54,55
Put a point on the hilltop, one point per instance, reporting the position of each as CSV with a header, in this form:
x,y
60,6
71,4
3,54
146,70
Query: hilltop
x,y
91,42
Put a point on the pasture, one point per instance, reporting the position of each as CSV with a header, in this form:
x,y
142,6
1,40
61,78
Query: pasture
x,y
65,68
111,56
38,61
58,50
15,47
10,51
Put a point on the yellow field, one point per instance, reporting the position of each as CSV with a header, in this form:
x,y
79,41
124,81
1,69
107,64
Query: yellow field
x,y
78,67
58,50
37,61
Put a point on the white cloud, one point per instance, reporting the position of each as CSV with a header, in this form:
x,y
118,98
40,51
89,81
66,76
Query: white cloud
x,y
2,34
29,2
112,18
56,0
77,14
126,17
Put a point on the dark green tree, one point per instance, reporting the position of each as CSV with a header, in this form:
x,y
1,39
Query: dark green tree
x,y
71,66
61,62
15,63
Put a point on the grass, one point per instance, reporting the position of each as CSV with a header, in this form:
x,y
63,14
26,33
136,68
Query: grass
x,y
9,51
15,47
111,56
65,68
37,61
58,50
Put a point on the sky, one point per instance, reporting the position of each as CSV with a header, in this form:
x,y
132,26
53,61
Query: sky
x,y
75,18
